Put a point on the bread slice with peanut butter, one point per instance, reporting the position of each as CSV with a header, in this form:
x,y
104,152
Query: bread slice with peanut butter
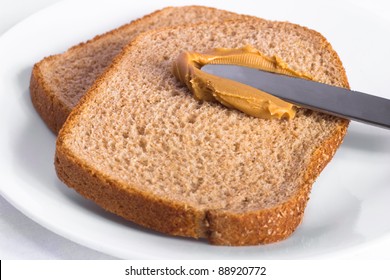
x,y
59,81
141,146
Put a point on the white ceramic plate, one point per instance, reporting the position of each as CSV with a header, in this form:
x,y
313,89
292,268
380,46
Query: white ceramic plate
x,y
350,201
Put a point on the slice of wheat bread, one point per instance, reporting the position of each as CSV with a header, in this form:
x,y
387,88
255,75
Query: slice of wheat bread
x,y
141,146
58,82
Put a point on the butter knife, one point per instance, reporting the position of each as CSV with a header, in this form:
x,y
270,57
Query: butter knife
x,y
337,101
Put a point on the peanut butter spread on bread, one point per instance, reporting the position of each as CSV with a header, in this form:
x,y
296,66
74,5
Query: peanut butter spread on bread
x,y
230,93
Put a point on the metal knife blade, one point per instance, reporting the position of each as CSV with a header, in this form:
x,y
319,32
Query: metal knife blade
x,y
337,101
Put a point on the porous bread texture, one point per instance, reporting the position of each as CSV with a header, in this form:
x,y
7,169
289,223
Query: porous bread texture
x,y
141,146
58,82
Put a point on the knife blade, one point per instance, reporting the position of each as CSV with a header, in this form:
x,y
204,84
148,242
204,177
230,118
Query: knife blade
x,y
337,101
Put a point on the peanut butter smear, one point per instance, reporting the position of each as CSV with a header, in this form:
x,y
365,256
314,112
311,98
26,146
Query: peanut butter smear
x,y
232,94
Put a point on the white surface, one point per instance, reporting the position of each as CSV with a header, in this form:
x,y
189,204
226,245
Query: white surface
x,y
346,216
21,237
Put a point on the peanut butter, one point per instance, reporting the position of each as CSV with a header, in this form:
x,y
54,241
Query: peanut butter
x,y
232,94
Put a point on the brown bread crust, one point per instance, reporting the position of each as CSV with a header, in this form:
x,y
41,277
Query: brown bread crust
x,y
50,104
47,103
141,207
52,111
218,226
275,224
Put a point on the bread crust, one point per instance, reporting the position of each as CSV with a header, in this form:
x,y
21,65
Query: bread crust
x,y
273,224
52,111
219,227
47,102
144,209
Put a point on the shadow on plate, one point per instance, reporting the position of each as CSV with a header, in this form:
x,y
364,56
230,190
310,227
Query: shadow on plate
x,y
36,239
94,209
33,148
331,218
366,138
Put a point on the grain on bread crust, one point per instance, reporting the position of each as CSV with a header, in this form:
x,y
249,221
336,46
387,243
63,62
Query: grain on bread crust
x,y
135,196
59,81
